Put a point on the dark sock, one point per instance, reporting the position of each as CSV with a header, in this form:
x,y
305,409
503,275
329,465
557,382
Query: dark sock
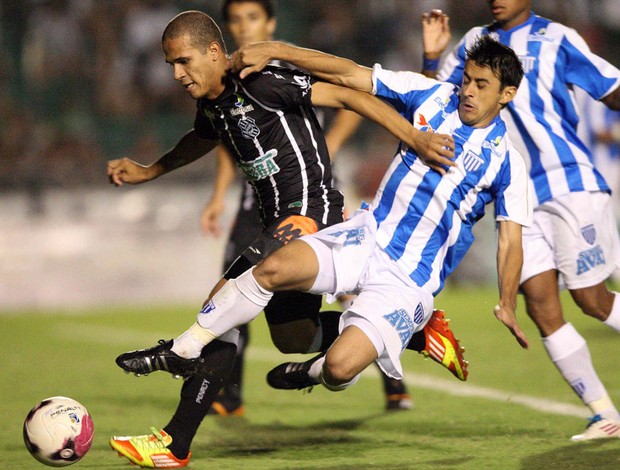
x,y
231,393
329,319
198,393
392,386
417,342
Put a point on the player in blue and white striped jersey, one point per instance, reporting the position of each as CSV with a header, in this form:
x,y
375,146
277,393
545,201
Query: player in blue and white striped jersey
x,y
396,255
573,241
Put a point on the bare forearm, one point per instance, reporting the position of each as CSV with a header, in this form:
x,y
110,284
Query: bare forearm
x,y
225,174
509,263
343,127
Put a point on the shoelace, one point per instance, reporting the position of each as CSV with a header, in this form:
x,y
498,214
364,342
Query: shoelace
x,y
147,441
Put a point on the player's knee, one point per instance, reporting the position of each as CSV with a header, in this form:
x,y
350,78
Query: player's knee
x,y
337,370
268,273
596,302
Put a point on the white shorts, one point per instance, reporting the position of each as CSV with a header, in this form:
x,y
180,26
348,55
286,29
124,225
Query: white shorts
x,y
576,235
389,307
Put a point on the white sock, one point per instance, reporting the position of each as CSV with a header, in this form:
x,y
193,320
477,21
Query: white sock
x,y
190,343
613,320
315,369
569,352
239,301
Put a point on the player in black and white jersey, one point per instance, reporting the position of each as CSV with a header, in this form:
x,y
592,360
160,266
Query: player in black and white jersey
x,y
268,124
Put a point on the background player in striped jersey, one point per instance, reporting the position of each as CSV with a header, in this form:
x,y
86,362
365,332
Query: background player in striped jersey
x,y
573,241
397,254
268,123
253,21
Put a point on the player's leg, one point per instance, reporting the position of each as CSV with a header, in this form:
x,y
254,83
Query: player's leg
x,y
560,240
229,401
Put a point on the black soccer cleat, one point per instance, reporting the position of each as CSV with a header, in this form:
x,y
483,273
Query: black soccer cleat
x,y
292,375
160,357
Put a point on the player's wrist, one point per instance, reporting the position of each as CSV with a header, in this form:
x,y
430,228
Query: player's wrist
x,y
430,61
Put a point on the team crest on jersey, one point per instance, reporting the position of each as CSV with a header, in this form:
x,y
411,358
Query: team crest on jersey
x,y
527,62
248,128
262,167
240,107
403,325
589,234
424,125
472,161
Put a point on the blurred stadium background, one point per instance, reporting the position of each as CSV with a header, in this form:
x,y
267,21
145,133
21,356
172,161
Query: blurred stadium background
x,y
84,81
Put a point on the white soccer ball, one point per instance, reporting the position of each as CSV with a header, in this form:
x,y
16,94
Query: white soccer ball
x,y
58,431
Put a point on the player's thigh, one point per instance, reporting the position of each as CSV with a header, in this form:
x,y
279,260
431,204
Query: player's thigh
x,y
350,354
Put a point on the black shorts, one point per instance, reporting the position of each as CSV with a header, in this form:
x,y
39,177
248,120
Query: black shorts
x,y
286,306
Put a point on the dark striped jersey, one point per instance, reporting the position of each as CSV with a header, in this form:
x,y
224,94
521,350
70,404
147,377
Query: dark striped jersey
x,y
267,122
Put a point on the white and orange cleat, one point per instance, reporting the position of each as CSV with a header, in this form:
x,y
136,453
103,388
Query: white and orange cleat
x,y
149,451
443,347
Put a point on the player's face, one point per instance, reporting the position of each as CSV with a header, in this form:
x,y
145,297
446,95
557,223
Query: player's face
x,y
481,98
201,74
510,13
249,23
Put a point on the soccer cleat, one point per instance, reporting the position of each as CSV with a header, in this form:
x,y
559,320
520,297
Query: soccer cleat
x,y
150,450
223,406
599,428
443,347
160,357
292,375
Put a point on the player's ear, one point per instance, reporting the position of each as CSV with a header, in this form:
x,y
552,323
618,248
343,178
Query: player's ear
x,y
271,26
507,95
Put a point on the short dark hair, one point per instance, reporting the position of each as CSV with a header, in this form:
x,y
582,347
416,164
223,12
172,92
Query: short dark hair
x,y
501,59
200,27
266,5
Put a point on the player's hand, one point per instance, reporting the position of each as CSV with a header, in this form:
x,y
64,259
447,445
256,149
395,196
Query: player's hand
x,y
250,58
125,170
210,219
508,318
435,150
435,33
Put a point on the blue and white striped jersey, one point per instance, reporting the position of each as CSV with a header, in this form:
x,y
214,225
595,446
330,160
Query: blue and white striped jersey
x,y
425,220
542,119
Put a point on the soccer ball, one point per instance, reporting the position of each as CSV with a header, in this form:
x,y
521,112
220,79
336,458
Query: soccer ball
x,y
58,431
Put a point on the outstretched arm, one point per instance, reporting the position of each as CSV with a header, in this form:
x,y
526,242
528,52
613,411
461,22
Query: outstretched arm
x,y
434,149
509,262
435,39
188,149
254,57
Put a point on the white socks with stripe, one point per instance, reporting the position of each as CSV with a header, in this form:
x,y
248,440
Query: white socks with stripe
x,y
569,352
238,302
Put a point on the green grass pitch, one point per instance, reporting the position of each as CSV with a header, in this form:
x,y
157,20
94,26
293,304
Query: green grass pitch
x,y
514,412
